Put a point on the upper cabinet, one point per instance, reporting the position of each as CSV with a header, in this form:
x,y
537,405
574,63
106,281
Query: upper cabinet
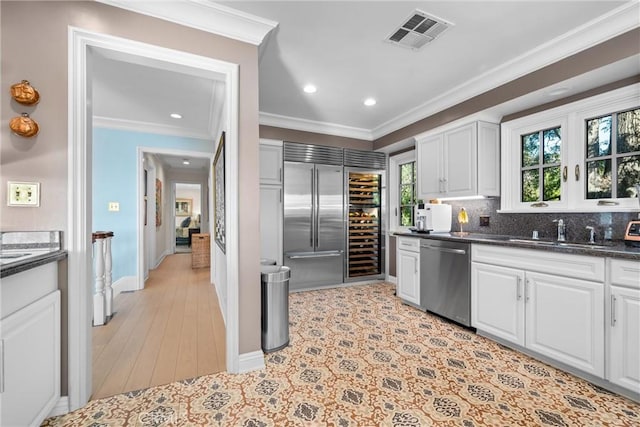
x,y
583,156
464,161
270,162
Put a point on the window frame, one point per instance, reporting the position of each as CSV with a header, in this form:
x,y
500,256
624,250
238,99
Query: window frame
x,y
572,119
394,187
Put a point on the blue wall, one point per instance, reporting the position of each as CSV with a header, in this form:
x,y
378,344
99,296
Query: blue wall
x,y
115,180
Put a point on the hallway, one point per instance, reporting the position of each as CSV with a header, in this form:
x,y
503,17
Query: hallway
x,y
170,331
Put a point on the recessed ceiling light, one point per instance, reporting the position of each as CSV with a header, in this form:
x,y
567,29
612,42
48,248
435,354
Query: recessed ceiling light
x,y
558,91
369,102
310,88
176,116
185,162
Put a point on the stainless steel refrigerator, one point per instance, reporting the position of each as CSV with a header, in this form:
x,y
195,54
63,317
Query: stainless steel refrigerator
x,y
313,215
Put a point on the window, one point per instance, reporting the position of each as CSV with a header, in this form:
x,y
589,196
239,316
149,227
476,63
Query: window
x,y
407,174
540,169
402,189
582,156
613,155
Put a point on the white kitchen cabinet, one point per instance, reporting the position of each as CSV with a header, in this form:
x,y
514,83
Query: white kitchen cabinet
x,y
549,303
271,216
271,222
30,352
408,270
463,161
565,320
497,301
270,162
624,324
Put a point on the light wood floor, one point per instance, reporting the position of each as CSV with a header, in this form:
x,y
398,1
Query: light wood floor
x,y
172,330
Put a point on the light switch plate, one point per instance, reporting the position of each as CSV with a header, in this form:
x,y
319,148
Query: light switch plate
x,y
114,207
23,194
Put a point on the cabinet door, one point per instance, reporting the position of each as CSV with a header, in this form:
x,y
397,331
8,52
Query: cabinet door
x,y
460,161
624,349
271,222
497,303
270,164
488,159
565,320
408,266
30,362
430,170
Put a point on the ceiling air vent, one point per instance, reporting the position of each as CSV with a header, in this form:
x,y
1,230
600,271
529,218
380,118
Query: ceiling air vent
x,y
417,30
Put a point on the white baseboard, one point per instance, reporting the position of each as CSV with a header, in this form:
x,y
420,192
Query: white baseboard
x,y
221,305
392,279
162,257
123,284
61,408
253,361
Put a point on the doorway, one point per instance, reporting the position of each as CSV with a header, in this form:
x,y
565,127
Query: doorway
x,y
80,196
187,215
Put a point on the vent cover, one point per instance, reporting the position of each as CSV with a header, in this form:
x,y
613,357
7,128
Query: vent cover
x,y
417,30
365,159
295,152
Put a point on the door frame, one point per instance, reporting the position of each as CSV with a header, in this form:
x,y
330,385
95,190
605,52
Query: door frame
x,y
79,211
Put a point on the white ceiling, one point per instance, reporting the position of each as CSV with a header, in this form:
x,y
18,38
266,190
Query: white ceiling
x,y
340,47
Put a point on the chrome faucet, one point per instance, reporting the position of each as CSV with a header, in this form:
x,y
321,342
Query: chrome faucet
x,y
562,236
592,234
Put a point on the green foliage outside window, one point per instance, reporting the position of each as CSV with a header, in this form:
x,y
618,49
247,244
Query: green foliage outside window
x,y
613,169
408,190
540,168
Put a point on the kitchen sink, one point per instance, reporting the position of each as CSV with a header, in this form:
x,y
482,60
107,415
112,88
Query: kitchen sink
x,y
558,244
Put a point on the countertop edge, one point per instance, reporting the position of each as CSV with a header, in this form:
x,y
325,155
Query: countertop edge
x,y
616,251
33,262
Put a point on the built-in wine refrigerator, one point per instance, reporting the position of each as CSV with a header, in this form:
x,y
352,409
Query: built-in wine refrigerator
x,y
365,236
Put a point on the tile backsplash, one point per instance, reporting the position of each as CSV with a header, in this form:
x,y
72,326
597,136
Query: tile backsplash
x,y
523,224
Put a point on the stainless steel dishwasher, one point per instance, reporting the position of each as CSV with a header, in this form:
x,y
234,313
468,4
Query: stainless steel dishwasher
x,y
445,279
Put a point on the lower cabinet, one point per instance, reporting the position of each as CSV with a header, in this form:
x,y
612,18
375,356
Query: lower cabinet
x,y
497,302
556,316
408,269
30,362
565,320
624,324
271,222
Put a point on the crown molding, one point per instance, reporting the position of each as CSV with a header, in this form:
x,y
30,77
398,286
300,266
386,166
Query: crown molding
x,y
203,15
605,27
145,127
305,125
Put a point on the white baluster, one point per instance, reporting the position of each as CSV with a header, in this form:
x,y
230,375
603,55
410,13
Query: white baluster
x,y
107,276
98,292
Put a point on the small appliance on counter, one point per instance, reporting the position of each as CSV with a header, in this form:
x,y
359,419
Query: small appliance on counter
x,y
632,233
433,218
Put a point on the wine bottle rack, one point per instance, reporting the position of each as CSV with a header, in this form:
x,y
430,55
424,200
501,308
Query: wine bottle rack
x,y
364,225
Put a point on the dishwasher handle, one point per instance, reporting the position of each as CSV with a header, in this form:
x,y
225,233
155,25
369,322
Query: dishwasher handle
x,y
447,250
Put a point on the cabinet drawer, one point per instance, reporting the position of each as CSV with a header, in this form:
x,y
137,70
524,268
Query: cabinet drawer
x,y
411,244
625,273
567,265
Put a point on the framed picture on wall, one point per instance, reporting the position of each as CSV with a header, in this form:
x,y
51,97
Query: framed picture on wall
x,y
158,202
218,195
183,207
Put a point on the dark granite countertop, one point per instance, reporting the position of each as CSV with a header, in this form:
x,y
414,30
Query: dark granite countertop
x,y
35,259
615,249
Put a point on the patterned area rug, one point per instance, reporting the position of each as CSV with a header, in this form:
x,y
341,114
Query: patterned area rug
x,y
358,357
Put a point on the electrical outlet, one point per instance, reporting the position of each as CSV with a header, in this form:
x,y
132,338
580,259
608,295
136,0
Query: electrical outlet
x,y
484,221
114,207
23,194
